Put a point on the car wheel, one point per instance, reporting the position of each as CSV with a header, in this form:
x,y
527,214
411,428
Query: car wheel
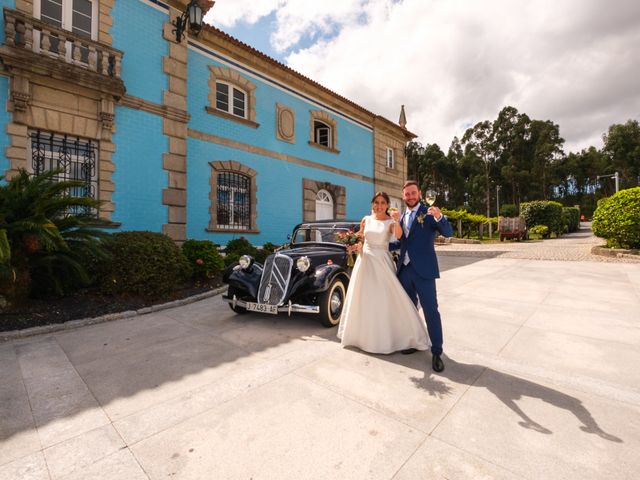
x,y
331,303
231,292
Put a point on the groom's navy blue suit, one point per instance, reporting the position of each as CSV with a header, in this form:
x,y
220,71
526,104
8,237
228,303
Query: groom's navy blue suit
x,y
418,277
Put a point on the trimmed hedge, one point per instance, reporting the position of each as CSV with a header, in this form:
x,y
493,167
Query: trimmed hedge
x,y
470,222
236,248
143,263
543,213
508,210
617,219
571,218
204,258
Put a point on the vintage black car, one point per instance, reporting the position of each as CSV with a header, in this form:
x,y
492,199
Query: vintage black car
x,y
310,275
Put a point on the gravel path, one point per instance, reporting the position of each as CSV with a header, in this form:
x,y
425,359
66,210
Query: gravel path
x,y
569,247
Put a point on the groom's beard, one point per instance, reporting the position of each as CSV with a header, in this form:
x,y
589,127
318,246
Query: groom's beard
x,y
411,205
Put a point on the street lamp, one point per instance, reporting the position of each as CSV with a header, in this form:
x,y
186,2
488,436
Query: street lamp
x,y
497,200
614,175
191,18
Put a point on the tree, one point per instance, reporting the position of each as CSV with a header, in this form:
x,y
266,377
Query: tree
x,y
622,146
480,142
547,148
512,131
47,244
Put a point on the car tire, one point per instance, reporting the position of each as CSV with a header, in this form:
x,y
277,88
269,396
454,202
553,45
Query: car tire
x,y
230,293
331,303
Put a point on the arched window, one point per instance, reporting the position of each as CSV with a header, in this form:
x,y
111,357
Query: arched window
x,y
324,205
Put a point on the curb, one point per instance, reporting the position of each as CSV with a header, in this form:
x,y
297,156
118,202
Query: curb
x,y
72,324
615,252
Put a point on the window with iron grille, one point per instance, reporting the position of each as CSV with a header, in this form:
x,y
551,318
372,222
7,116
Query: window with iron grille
x,y
74,157
234,201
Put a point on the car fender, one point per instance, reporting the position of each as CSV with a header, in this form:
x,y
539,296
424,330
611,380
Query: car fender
x,y
324,275
247,280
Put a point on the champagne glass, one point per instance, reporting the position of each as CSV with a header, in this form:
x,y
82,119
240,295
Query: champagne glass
x,y
430,197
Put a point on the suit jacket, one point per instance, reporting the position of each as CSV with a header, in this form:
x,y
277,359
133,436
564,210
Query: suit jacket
x,y
420,242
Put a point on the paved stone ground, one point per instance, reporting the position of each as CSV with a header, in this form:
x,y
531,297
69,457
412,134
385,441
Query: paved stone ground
x,y
541,382
571,247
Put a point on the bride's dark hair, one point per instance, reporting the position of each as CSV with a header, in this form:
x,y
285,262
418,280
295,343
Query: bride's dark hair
x,y
385,196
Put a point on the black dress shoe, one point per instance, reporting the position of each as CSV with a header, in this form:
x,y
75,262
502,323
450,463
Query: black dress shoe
x,y
409,351
436,363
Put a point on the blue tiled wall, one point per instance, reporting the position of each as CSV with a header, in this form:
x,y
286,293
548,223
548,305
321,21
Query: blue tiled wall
x,y
279,193
5,118
137,31
139,177
279,183
354,141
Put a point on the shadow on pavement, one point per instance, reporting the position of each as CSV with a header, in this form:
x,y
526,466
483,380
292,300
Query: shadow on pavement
x,y
509,388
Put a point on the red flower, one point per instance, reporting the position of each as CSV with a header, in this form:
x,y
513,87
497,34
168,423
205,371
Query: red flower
x,y
200,261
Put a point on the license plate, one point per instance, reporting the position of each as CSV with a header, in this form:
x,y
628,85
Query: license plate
x,y
262,308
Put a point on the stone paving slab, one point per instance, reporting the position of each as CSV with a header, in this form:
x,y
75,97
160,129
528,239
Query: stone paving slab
x,y
540,382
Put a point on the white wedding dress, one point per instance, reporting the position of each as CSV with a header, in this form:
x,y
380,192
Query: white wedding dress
x,y
378,316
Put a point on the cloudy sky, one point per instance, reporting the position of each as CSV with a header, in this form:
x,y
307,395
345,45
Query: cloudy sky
x,y
453,63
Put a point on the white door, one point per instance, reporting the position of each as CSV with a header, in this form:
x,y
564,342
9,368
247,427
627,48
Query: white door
x,y
324,205
397,203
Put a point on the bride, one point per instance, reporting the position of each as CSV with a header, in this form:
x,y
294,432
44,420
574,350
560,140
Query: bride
x,y
378,316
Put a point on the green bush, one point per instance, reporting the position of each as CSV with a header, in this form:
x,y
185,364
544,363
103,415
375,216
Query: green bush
x,y
143,263
617,219
204,258
266,250
571,218
508,210
540,231
543,213
236,248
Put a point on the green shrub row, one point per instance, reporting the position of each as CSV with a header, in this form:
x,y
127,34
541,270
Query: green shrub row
x,y
541,212
469,222
571,218
617,219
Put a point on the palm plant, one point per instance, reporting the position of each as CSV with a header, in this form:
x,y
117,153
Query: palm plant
x,y
49,246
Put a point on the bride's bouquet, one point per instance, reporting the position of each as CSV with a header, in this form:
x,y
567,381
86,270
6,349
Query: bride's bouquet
x,y
351,239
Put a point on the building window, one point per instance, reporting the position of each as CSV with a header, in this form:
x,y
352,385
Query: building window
x,y
391,158
231,96
76,158
77,16
234,203
323,131
231,100
324,205
322,134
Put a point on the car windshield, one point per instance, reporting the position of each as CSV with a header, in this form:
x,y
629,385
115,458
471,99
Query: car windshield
x,y
317,234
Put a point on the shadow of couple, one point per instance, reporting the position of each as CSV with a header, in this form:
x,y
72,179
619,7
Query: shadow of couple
x,y
508,389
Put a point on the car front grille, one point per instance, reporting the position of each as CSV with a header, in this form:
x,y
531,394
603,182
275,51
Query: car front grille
x,y
275,279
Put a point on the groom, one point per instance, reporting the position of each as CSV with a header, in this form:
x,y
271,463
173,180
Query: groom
x,y
418,265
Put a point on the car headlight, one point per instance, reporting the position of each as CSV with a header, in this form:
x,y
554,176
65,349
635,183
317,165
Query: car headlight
x,y
245,261
303,264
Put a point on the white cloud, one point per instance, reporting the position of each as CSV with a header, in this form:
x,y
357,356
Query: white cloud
x,y
456,62
228,13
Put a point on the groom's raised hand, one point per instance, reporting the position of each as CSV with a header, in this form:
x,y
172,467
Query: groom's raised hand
x,y
435,211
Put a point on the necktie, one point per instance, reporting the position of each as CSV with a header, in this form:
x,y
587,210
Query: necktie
x,y
412,215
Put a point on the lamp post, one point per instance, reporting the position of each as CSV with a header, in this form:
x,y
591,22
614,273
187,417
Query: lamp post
x,y
191,18
497,200
615,175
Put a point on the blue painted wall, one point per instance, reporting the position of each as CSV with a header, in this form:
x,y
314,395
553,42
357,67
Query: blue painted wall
x,y
279,183
5,118
279,193
139,177
137,31
354,142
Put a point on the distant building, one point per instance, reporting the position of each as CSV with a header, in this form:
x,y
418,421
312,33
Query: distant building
x,y
207,138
